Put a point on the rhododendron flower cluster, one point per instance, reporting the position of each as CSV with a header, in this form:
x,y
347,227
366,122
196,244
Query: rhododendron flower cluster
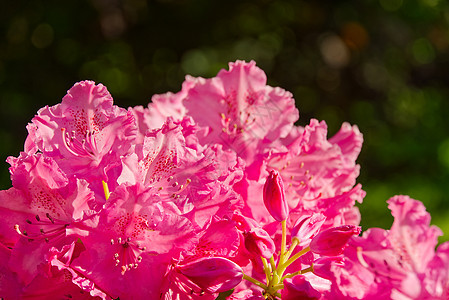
x,y
209,192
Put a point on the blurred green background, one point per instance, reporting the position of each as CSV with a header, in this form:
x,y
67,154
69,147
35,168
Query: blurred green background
x,y
380,64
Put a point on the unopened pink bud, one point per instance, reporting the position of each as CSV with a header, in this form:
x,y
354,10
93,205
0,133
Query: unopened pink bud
x,y
322,266
332,241
273,197
259,243
213,274
244,223
299,288
307,227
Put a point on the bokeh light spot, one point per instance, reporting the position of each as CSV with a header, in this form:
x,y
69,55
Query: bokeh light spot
x,y
334,51
443,153
391,5
42,36
430,3
195,62
423,51
355,35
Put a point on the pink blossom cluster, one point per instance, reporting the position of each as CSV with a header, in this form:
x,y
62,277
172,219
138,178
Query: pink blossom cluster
x,y
209,192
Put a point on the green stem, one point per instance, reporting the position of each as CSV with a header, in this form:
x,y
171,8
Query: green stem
x,y
293,258
283,242
307,270
295,243
290,275
255,281
273,264
266,269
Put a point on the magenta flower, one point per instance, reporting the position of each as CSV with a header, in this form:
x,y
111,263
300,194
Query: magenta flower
x,y
323,265
259,243
299,288
238,110
136,239
273,197
332,241
86,134
164,106
44,209
307,227
213,274
198,181
221,239
10,286
164,202
397,263
317,170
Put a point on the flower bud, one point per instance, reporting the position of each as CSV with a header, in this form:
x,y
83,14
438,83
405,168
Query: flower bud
x,y
273,197
307,227
244,223
259,243
332,241
299,288
213,274
322,266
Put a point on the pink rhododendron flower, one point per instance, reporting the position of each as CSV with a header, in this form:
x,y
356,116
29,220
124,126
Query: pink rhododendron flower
x,y
322,266
208,193
45,209
192,178
137,235
248,114
307,227
167,105
397,262
314,168
221,239
86,134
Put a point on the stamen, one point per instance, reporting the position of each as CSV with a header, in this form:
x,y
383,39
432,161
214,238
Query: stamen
x,y
50,218
360,257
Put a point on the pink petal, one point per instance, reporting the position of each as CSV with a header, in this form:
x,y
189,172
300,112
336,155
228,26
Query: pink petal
x,y
213,274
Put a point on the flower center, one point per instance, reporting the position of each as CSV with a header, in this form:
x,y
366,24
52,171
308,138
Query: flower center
x,y
128,255
87,147
43,229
